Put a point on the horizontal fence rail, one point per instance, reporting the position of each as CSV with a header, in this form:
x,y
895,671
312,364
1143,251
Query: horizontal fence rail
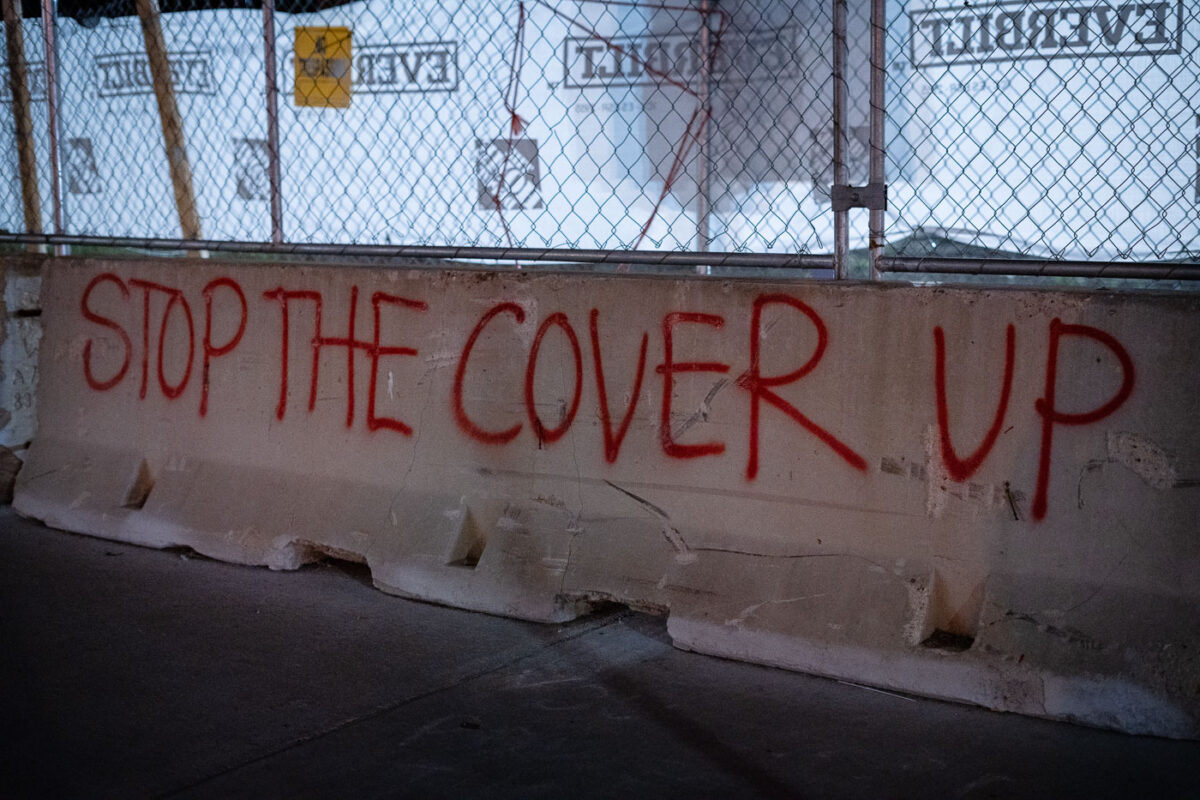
x,y
890,138
664,258
1051,269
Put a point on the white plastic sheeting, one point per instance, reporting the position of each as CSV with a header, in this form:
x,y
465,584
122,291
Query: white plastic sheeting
x,y
1042,128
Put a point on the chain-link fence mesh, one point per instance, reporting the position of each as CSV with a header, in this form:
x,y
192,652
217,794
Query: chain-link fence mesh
x,y
1047,129
26,128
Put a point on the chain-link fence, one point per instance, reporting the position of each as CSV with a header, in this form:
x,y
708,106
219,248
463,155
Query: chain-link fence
x,y
1048,129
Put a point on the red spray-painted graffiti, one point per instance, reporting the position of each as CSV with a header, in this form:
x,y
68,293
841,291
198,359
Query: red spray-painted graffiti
x,y
460,413
168,310
962,469
175,298
760,387
210,351
1050,412
92,381
373,348
545,434
612,440
669,368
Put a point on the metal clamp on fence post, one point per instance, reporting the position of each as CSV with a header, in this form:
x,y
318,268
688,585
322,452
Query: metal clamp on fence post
x,y
873,197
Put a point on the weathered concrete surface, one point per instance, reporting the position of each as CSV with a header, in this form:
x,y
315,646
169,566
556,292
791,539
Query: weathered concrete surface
x,y
20,332
787,470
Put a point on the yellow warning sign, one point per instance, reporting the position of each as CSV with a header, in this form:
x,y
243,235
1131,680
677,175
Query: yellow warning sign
x,y
323,67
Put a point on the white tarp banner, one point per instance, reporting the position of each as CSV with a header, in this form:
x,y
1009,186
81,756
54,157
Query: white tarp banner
x,y
1047,128
1052,128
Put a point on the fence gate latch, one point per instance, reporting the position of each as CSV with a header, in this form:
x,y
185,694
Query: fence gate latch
x,y
873,196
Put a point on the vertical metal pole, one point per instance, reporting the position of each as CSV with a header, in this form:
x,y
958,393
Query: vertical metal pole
x,y
18,81
48,23
702,180
841,233
877,144
272,122
172,123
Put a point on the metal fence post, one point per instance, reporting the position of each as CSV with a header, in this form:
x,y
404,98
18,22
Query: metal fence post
x,y
272,122
841,233
877,144
702,176
49,20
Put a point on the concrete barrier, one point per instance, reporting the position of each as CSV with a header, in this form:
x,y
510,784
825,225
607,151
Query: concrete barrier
x,y
981,495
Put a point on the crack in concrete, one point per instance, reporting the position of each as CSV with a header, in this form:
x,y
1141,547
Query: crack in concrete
x,y
641,500
787,556
701,413
683,553
708,491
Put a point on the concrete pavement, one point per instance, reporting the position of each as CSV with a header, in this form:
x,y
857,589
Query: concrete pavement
x,y
130,672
